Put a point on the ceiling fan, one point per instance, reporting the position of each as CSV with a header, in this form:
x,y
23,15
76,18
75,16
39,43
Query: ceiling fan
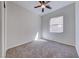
x,y
43,5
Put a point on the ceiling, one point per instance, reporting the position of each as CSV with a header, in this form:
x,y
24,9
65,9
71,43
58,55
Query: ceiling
x,y
54,4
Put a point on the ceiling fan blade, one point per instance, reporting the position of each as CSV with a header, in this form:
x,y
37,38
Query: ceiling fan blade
x,y
37,6
40,1
42,9
48,7
47,2
43,2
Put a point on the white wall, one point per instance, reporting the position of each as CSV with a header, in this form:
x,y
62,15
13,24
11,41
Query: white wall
x,y
22,25
0,29
77,26
68,35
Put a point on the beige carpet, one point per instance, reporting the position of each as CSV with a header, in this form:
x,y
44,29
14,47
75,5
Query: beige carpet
x,y
42,49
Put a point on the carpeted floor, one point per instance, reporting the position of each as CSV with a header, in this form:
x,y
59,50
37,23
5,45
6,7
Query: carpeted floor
x,y
42,49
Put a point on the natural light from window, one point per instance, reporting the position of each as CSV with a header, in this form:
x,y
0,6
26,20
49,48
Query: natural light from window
x,y
36,37
56,24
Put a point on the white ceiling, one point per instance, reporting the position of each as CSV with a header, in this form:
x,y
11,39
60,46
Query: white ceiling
x,y
54,4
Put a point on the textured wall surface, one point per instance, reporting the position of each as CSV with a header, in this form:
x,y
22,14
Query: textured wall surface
x,y
0,29
77,26
68,36
22,25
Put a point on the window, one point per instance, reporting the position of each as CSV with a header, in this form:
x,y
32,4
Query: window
x,y
56,24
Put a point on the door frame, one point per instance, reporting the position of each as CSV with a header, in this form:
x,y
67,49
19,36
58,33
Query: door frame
x,y
4,28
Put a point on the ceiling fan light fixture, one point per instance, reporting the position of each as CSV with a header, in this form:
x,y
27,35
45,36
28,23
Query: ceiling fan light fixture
x,y
43,6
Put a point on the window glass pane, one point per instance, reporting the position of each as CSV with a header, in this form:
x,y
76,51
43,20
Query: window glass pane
x,y
56,24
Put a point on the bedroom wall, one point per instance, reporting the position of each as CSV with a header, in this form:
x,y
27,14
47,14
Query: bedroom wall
x,y
68,36
22,25
77,26
0,29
